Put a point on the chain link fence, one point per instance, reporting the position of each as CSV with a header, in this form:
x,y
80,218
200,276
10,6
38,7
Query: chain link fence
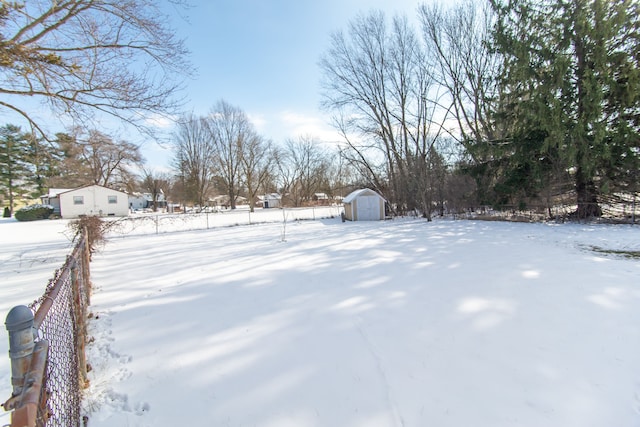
x,y
47,348
159,223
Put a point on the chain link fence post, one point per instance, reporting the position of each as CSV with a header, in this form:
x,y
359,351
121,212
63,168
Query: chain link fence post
x,y
28,364
47,348
19,325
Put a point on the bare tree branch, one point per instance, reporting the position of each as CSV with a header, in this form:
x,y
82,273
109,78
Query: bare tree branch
x,y
85,58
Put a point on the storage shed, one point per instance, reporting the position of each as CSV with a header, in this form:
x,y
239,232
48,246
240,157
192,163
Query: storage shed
x,y
364,205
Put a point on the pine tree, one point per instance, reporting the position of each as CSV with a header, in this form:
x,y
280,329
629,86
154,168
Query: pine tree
x,y
13,167
42,159
571,76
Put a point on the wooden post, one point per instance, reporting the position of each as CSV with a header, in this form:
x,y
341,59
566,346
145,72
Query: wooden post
x,y
86,271
81,325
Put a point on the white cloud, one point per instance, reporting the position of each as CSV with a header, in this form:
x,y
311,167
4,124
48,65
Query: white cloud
x,y
296,124
258,120
160,121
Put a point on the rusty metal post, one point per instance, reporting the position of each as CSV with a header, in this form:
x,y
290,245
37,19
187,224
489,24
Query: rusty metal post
x,y
19,325
31,410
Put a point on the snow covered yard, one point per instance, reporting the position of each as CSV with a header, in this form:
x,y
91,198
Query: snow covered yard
x,y
396,323
399,323
30,252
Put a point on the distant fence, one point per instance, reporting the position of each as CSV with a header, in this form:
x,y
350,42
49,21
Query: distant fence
x,y
612,212
165,223
47,348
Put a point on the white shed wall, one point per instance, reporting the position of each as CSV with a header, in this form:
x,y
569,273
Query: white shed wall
x,y
364,205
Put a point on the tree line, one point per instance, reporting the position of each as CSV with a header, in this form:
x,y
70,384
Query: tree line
x,y
516,103
539,100
31,165
220,153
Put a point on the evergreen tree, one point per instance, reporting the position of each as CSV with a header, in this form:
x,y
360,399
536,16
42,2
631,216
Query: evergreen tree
x,y
13,166
571,78
42,162
70,170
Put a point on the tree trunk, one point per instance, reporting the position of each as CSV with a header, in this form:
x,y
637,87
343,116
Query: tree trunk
x,y
10,197
232,197
587,198
587,195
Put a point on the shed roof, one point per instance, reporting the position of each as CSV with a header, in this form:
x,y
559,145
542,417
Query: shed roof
x,y
359,192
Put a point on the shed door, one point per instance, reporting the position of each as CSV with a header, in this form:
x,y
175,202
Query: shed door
x,y
368,208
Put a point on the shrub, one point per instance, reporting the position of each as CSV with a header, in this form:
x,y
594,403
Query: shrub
x,y
34,213
96,229
7,212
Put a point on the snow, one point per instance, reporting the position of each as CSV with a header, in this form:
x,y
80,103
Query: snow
x,y
324,323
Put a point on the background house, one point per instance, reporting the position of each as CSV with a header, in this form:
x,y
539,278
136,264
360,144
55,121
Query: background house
x,y
51,198
140,201
364,205
321,199
223,201
272,200
88,200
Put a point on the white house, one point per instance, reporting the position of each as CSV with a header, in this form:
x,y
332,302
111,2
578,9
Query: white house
x,y
51,198
88,200
364,205
272,200
139,201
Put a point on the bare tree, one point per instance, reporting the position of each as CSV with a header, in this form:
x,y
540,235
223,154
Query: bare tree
x,y
355,82
378,85
230,130
303,167
94,158
157,184
87,57
193,161
457,42
256,162
108,160
342,176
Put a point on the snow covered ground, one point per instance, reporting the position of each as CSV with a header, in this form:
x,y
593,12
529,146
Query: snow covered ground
x,y
30,252
395,323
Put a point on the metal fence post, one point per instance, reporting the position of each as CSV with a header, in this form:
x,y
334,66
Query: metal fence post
x,y
32,410
47,385
19,325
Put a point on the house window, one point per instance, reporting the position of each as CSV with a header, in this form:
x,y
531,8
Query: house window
x,y
78,200
113,200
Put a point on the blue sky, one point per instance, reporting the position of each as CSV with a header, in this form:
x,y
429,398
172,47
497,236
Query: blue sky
x,y
262,56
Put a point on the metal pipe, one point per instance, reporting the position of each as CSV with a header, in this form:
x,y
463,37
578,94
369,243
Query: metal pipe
x,y
32,403
47,302
19,324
